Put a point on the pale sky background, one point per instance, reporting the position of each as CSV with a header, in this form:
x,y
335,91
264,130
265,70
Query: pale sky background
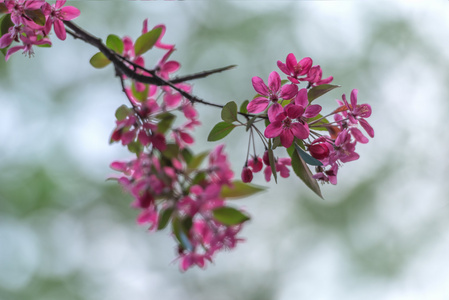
x,y
381,233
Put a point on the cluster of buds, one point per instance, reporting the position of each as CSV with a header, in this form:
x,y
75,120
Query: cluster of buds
x,y
292,121
30,22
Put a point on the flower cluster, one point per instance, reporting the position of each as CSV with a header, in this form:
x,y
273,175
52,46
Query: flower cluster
x,y
30,23
294,122
166,178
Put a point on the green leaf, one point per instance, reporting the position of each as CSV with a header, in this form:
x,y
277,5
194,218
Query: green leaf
x,y
165,123
310,160
272,163
243,106
3,9
164,217
240,190
276,142
37,16
250,123
219,131
187,155
146,41
115,43
6,23
199,178
122,112
229,216
99,61
303,172
171,151
140,96
315,126
197,160
320,90
135,147
229,112
181,233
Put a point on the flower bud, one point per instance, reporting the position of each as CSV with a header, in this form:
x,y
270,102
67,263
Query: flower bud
x,y
247,175
256,164
319,151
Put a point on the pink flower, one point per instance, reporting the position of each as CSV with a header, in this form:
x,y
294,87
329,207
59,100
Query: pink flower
x,y
301,99
56,14
27,47
18,8
284,125
273,93
281,167
357,113
314,77
293,68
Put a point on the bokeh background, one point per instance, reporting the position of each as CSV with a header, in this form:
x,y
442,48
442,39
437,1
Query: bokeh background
x,y
381,233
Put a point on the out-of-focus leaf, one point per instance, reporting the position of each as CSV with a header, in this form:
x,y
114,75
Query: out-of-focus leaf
x,y
171,151
135,147
165,121
3,9
303,172
164,217
115,43
181,233
241,189
99,61
229,216
320,90
146,41
122,112
141,96
36,15
197,160
220,131
6,23
229,112
272,164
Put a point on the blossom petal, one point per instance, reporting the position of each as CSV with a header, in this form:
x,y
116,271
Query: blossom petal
x,y
354,98
260,86
301,98
288,91
299,130
367,127
273,130
60,30
70,13
306,64
291,62
287,138
274,110
283,67
358,135
294,111
274,82
257,105
312,111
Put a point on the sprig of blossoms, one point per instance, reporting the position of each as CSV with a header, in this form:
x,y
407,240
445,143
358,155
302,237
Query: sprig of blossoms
x,y
292,121
166,179
169,183
30,22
